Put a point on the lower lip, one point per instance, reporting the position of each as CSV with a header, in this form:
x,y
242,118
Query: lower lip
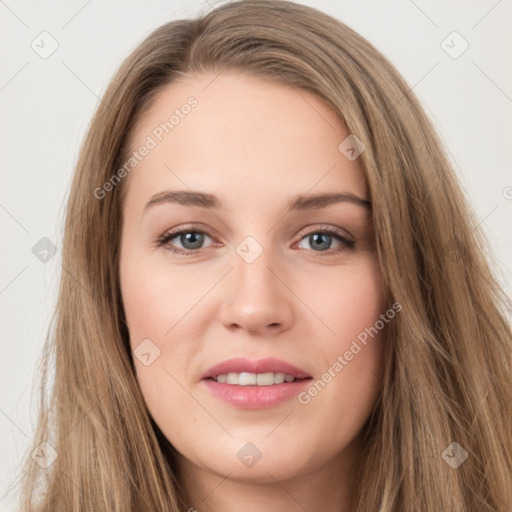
x,y
256,397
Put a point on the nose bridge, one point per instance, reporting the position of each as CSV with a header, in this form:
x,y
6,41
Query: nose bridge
x,y
258,299
252,270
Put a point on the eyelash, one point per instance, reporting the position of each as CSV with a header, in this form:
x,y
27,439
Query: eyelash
x,y
346,244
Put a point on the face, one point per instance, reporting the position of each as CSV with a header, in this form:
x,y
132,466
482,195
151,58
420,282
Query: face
x,y
228,256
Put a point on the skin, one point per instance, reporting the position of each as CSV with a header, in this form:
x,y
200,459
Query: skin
x,y
255,144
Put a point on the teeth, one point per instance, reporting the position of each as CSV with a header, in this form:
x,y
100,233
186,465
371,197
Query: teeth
x,y
279,378
232,378
253,379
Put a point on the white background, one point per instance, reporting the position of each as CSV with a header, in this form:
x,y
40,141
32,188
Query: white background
x,y
46,105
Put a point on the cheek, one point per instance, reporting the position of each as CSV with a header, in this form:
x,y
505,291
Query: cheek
x,y
154,306
161,308
348,300
155,303
352,353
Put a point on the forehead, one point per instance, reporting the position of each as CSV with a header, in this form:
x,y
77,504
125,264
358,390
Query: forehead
x,y
238,135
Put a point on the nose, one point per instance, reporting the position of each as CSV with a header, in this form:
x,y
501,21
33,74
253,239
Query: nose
x,y
259,300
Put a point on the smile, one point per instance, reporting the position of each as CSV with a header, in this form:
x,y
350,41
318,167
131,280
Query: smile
x,y
254,379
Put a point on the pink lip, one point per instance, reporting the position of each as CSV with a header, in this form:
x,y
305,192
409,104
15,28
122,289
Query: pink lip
x,y
255,397
269,364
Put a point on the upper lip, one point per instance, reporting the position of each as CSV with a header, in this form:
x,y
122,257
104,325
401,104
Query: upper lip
x,y
240,364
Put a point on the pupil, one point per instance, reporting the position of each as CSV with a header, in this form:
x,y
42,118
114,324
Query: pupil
x,y
323,238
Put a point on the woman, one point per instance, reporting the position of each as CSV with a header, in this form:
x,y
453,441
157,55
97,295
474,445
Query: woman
x,y
210,352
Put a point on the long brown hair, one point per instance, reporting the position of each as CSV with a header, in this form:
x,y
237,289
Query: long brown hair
x,y
448,376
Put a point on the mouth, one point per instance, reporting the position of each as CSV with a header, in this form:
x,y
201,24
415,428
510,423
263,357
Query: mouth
x,y
264,372
255,379
255,384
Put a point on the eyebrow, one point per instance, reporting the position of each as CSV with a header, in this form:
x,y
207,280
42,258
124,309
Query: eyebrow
x,y
211,201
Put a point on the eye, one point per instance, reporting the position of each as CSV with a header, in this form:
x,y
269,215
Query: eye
x,y
321,240
190,239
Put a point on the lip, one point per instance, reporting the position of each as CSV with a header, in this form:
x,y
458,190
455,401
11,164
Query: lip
x,y
240,364
255,397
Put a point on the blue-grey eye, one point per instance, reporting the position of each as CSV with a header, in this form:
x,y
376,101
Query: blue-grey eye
x,y
320,241
191,239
